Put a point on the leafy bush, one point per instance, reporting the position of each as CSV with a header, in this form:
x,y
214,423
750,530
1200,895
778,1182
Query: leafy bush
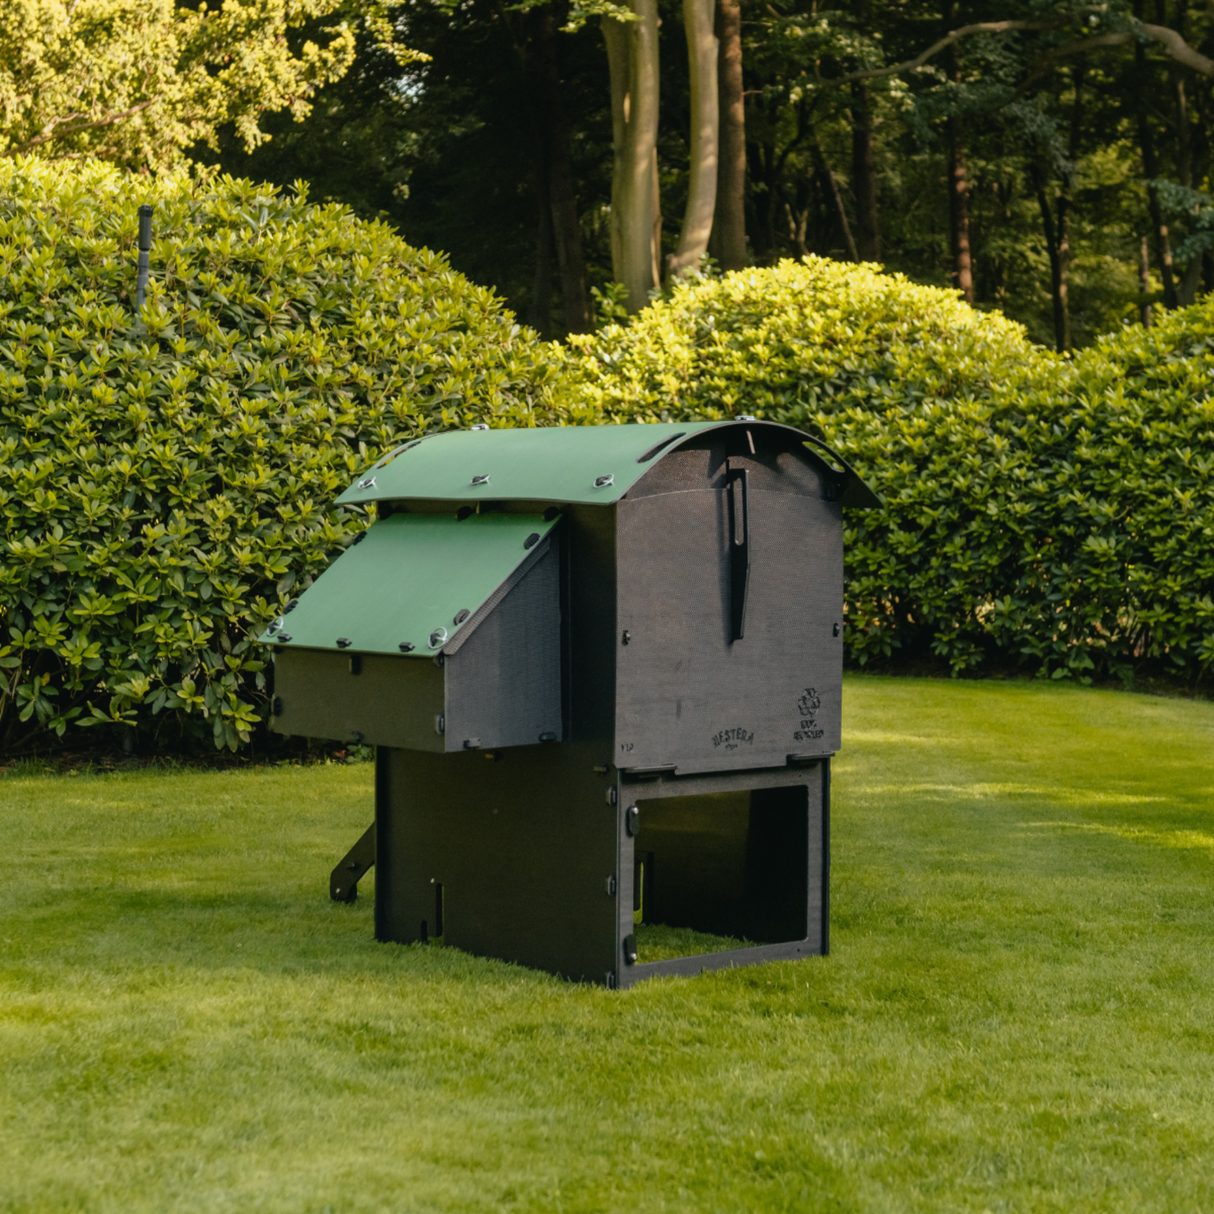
x,y
1039,512
165,484
798,342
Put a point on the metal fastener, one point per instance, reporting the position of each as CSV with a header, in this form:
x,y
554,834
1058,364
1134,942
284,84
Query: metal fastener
x,y
461,615
532,540
438,637
480,426
611,887
601,482
406,647
481,480
367,483
343,642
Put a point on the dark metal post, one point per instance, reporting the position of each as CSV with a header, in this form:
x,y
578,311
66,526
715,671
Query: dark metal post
x,y
145,248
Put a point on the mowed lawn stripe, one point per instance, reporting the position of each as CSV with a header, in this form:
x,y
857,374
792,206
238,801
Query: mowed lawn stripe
x,y
1015,1016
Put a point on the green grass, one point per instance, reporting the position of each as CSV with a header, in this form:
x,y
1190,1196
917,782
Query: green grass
x,y
1018,1013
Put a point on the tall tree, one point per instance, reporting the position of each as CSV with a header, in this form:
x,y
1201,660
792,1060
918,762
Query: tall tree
x,y
729,217
140,81
632,53
702,51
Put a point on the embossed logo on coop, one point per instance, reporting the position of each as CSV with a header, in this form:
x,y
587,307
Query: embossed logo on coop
x,y
807,709
731,739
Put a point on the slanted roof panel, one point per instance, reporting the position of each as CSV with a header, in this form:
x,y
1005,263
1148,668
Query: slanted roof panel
x,y
587,464
411,575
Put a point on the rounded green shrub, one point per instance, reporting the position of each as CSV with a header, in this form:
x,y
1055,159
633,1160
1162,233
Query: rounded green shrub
x,y
796,342
1040,512
166,481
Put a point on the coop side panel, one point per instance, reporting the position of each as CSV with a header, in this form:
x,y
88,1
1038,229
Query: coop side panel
x,y
504,683
524,848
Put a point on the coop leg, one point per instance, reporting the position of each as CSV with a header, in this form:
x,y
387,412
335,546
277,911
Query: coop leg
x,y
344,879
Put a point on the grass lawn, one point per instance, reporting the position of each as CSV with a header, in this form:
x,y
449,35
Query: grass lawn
x,y
1018,1013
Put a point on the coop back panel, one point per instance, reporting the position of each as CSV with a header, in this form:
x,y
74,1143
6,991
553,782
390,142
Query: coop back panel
x,y
689,695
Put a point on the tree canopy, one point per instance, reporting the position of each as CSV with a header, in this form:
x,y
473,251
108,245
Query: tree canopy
x,y
139,82
1049,159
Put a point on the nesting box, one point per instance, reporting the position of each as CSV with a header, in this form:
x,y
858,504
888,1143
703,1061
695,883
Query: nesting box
x,y
602,669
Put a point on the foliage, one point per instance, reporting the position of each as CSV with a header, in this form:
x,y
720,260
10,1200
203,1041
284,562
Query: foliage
x,y
1059,135
1015,1015
165,483
797,341
139,81
1041,512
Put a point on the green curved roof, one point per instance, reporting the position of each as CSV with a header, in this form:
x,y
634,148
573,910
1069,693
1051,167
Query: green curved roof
x,y
594,465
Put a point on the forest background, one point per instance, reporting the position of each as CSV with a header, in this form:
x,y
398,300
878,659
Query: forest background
x,y
1049,160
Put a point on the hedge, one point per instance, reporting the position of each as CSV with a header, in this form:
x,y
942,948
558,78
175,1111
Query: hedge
x,y
1046,514
166,482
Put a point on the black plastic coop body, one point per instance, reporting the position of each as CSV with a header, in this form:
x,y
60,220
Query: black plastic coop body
x,y
602,670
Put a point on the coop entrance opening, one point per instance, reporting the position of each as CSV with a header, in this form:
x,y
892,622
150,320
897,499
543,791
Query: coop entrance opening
x,y
720,871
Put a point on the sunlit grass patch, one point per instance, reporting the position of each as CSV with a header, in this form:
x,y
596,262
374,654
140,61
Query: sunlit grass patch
x,y
1016,1013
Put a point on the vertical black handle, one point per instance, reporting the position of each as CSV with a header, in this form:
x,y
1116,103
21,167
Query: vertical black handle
x,y
739,552
145,248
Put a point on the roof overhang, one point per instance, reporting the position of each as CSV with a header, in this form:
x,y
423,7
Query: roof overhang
x,y
589,465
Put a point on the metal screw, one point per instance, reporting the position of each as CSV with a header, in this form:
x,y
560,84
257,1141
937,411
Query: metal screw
x,y
626,637
835,630
481,480
601,482
367,483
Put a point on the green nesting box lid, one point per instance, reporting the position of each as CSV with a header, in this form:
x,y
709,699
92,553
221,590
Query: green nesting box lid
x,y
413,580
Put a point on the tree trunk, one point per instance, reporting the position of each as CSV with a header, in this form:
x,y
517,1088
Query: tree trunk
x,y
632,53
1144,283
864,174
1150,169
958,186
702,51
831,189
562,193
959,215
728,241
539,311
1058,246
